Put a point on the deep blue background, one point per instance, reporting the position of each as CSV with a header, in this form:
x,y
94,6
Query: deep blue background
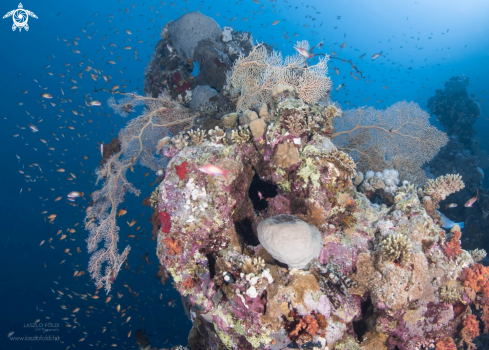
x,y
423,43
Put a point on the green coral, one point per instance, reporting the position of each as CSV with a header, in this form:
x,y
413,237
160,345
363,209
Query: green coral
x,y
309,171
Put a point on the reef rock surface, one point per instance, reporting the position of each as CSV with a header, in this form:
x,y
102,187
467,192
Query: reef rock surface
x,y
383,276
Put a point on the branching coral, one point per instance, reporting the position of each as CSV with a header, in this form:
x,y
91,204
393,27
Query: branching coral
x,y
253,77
241,135
217,135
478,254
197,136
138,142
153,200
396,247
443,186
399,137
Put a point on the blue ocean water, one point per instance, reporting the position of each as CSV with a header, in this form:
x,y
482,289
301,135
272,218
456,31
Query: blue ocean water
x,y
423,44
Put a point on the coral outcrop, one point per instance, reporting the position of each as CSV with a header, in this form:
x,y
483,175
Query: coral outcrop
x,y
384,274
321,257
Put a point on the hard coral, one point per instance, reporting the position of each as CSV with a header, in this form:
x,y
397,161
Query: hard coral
x,y
397,247
286,155
443,186
451,292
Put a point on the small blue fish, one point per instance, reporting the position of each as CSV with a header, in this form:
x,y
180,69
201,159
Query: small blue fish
x,y
447,223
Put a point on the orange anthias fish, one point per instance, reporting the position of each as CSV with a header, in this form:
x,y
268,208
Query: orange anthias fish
x,y
471,201
451,205
214,170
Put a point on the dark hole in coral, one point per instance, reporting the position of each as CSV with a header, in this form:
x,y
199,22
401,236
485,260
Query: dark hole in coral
x,y
244,229
212,264
361,327
266,189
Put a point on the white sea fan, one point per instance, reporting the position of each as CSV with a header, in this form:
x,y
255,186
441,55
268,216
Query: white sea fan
x,y
253,77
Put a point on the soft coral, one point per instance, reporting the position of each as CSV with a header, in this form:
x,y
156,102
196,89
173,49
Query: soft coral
x,y
453,248
469,331
476,280
446,344
181,170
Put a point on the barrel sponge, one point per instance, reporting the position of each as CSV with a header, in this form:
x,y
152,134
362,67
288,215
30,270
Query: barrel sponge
x,y
290,240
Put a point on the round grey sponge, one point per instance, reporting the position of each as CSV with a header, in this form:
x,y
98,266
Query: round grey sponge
x,y
290,240
188,30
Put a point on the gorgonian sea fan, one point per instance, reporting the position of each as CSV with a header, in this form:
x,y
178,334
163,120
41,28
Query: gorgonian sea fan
x,y
138,140
399,137
252,78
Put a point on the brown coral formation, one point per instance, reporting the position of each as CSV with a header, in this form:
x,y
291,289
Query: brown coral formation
x,y
443,186
286,155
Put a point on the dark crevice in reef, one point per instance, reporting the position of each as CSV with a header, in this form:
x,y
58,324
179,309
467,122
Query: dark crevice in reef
x,y
244,229
212,264
361,327
266,189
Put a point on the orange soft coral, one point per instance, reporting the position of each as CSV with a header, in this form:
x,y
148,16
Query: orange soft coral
x,y
476,280
485,317
446,344
469,332
172,246
453,248
189,283
306,327
312,325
